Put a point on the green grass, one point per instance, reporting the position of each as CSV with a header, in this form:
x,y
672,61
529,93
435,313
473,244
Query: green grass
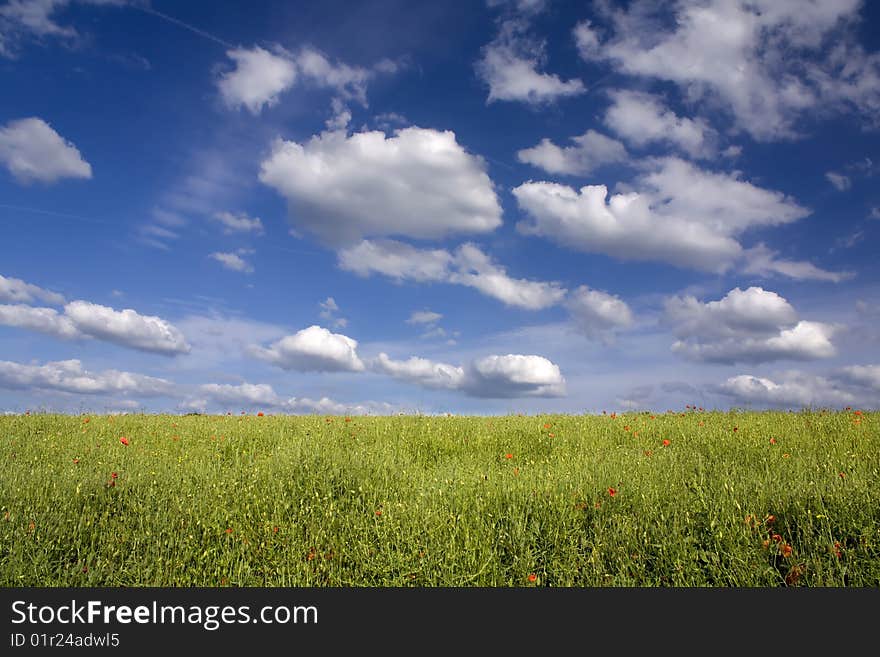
x,y
436,501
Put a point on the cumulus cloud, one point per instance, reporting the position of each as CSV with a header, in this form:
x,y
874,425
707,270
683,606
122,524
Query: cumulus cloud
x,y
83,320
238,223
232,261
260,394
766,62
797,389
420,371
598,314
642,119
69,376
258,79
590,151
312,349
419,183
511,66
127,328
862,375
468,266
32,151
753,326
44,320
681,215
497,377
514,375
260,76
16,290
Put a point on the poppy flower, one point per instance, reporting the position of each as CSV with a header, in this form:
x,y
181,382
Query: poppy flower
x,y
547,425
777,538
773,441
666,442
229,530
113,475
75,461
771,519
533,578
786,550
260,414
837,549
508,456
124,440
612,492
736,428
842,475
550,435
378,512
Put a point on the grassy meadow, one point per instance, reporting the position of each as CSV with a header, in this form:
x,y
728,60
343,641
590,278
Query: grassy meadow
x,y
693,498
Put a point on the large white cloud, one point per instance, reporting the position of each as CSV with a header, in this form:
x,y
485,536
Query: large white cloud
x,y
16,290
127,328
768,62
590,151
468,266
642,119
69,376
33,151
680,214
262,395
313,349
753,325
419,183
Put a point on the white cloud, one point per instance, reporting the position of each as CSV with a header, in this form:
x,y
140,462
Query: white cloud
x,y
511,64
762,261
597,314
424,317
18,291
44,320
498,377
127,328
840,182
420,371
591,150
69,376
327,406
312,349
238,223
682,215
396,260
468,266
862,375
419,183
33,151
768,62
797,389
514,375
258,79
753,325
643,119
260,76
329,310
232,261
247,393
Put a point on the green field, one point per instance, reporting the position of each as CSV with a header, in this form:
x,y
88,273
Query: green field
x,y
733,499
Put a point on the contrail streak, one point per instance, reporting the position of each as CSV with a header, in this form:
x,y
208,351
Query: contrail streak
x,y
187,26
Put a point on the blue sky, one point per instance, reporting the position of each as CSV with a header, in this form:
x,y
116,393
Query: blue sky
x,y
511,206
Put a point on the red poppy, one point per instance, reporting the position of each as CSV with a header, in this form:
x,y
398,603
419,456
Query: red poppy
x,y
124,440
771,519
736,428
773,441
229,530
857,413
612,492
533,578
86,420
550,435
666,442
75,461
260,414
837,549
786,550
776,537
842,475
113,475
275,530
348,419
378,512
508,456
547,425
